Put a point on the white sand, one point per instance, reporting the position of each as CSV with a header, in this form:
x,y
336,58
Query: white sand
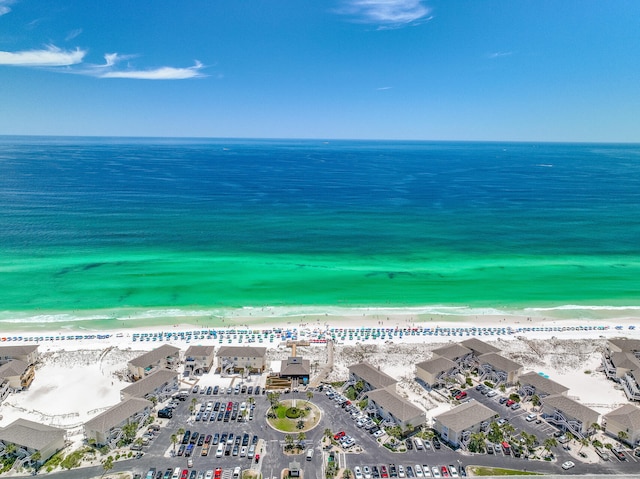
x,y
80,378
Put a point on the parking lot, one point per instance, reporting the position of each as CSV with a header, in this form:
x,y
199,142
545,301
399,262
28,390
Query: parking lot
x,y
365,454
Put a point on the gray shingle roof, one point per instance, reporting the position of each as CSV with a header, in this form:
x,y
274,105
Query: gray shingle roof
x,y
479,347
395,404
372,375
29,434
17,350
626,344
436,365
150,383
117,414
627,414
15,367
155,355
542,384
466,416
571,408
452,351
241,352
295,366
199,351
499,363
625,360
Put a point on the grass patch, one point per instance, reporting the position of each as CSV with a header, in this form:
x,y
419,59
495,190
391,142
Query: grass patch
x,y
498,471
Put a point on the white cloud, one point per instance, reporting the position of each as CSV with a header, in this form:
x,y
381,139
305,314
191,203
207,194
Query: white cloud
x,y
73,34
4,6
382,88
386,12
52,56
162,73
500,54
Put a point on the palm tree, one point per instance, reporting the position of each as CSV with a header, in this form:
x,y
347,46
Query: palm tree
x,y
274,399
346,474
301,438
535,399
107,465
35,458
193,404
181,431
477,442
328,433
583,442
288,441
495,433
129,430
309,396
622,435
549,443
174,441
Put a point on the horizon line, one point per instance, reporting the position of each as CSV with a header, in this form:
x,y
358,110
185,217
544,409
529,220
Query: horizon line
x,y
321,139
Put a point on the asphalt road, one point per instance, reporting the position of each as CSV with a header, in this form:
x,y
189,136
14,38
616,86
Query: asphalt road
x,y
370,452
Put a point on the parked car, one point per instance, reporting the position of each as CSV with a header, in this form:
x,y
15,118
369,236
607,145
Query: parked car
x,y
568,465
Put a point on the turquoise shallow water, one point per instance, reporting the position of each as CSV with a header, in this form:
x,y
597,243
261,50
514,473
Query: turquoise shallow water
x,y
98,228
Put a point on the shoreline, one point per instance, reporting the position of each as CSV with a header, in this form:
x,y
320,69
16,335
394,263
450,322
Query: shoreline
x,y
354,326
131,319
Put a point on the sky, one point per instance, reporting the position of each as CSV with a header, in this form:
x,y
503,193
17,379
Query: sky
x,y
492,70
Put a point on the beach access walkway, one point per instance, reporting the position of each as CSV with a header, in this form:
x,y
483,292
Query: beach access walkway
x,y
324,372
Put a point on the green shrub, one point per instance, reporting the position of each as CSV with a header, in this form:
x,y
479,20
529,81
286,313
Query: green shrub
x,y
293,413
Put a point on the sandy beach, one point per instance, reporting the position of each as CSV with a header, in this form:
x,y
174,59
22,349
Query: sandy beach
x,y
80,375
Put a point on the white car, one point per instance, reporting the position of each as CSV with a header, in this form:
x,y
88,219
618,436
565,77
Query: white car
x,y
568,465
427,470
367,472
435,471
378,433
453,471
401,471
531,417
358,472
418,470
209,474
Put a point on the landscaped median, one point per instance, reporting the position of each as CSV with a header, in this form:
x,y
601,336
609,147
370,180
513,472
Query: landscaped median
x,y
293,415
498,471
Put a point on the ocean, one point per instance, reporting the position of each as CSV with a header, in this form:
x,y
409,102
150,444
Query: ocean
x,y
104,230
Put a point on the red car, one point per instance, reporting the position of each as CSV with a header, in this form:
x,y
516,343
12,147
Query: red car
x,y
461,395
340,435
383,471
445,471
510,402
185,474
257,458
218,474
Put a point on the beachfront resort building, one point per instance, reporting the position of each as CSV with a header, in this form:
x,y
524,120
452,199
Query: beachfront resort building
x,y
478,347
621,363
23,352
534,384
437,372
569,415
371,377
18,374
455,352
160,384
625,419
498,369
30,437
296,369
457,425
236,358
199,359
393,408
164,357
17,367
106,428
